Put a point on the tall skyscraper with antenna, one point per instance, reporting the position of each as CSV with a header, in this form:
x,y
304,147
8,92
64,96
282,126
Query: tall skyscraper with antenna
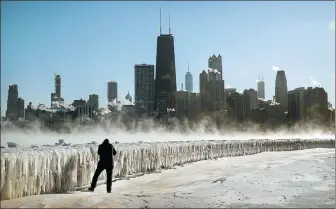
x,y
261,87
165,76
189,81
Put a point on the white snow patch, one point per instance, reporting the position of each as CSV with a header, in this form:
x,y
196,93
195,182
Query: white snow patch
x,y
214,71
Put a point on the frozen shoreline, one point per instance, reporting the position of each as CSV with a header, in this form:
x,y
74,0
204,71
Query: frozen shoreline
x,y
54,170
304,178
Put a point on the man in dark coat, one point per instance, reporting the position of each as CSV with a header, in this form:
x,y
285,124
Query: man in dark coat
x,y
106,151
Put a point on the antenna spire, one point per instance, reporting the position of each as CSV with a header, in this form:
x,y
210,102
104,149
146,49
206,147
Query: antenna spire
x,y
169,22
160,22
262,77
188,66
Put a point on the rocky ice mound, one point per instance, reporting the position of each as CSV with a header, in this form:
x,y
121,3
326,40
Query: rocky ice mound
x,y
58,169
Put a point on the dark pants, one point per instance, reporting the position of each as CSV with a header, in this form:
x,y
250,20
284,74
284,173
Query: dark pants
x,y
109,171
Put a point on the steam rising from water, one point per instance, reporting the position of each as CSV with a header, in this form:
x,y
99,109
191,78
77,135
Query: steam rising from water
x,y
227,86
147,130
314,82
151,131
57,106
275,68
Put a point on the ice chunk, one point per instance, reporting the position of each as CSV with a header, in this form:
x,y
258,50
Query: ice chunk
x,y
27,171
12,144
34,146
61,141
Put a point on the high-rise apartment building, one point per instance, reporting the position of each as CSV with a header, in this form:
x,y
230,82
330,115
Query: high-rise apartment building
x,y
187,104
211,91
189,81
229,91
30,112
56,96
203,79
165,76
83,109
58,86
93,101
215,62
236,106
281,89
263,104
78,102
316,103
112,91
296,105
20,108
261,88
275,115
84,112
13,93
251,101
144,89
216,89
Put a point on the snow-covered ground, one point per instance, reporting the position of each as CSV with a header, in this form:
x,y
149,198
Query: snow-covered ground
x,y
304,178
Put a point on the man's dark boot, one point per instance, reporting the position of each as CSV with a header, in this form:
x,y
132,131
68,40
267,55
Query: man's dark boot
x,y
91,189
108,191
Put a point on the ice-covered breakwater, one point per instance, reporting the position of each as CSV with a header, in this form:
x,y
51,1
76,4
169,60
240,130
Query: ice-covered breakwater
x,y
49,170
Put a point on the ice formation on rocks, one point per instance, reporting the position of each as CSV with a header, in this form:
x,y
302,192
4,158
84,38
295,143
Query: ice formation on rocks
x,y
12,144
34,146
27,171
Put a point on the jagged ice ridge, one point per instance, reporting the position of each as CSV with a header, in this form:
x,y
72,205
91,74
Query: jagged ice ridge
x,y
46,170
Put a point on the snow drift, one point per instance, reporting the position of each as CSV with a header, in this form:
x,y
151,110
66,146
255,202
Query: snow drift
x,y
44,170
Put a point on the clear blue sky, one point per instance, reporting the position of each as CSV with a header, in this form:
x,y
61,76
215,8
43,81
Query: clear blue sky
x,y
89,43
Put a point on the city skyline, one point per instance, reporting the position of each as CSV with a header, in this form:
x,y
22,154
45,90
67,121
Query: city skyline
x,y
21,68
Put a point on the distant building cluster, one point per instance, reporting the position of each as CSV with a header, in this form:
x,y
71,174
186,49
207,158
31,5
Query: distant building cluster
x,y
156,95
